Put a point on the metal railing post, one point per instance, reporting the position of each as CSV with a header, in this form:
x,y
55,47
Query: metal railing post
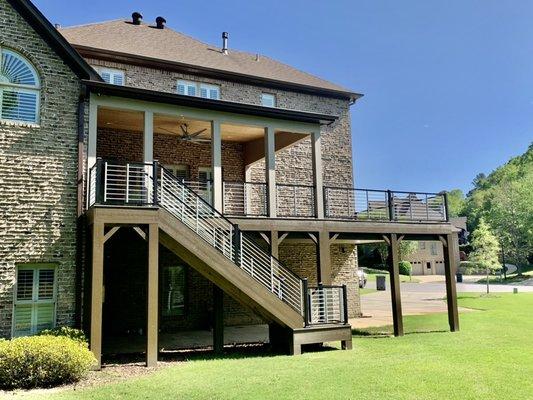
x,y
306,300
98,184
345,303
237,245
155,184
390,200
446,213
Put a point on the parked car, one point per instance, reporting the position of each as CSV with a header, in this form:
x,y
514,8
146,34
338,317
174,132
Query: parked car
x,y
362,278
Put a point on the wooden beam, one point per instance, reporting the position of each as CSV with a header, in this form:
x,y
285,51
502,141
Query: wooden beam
x,y
153,295
218,319
266,237
141,233
394,273
451,260
334,237
443,241
111,232
97,288
324,258
313,237
282,237
386,239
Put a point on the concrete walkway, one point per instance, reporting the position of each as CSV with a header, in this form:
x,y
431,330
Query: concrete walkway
x,y
426,297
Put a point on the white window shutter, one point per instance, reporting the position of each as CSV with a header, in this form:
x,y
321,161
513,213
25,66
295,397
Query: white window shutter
x,y
106,76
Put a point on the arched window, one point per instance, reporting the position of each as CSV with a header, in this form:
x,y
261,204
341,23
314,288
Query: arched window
x,y
19,88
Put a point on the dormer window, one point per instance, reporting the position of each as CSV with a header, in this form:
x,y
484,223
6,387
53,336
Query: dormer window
x,y
268,100
111,75
205,90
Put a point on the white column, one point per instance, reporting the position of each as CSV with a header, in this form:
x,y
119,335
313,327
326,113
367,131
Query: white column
x,y
216,162
316,145
148,139
93,132
270,170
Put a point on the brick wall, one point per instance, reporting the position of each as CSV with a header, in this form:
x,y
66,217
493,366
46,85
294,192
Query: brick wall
x,y
38,166
127,146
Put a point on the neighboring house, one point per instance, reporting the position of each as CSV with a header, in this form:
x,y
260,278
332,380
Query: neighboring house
x,y
152,184
428,259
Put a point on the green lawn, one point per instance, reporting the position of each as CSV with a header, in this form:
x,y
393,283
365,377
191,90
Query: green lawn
x,y
363,291
371,277
490,358
527,274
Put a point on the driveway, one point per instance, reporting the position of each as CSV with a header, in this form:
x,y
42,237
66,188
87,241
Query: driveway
x,y
426,297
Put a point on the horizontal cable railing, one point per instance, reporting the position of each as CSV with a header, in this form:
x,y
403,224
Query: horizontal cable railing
x,y
295,201
245,198
327,305
384,205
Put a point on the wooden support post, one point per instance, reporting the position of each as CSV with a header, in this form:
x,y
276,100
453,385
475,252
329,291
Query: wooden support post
x,y
216,162
274,244
270,170
324,258
153,303
97,288
148,137
394,273
451,258
316,147
218,319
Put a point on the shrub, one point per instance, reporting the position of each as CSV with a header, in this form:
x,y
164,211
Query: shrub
x,y
43,361
74,334
405,267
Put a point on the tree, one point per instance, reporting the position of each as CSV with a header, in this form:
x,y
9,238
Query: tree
x,y
405,248
486,249
456,203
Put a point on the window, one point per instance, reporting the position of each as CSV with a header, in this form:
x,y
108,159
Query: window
x,y
421,245
268,100
110,75
205,174
173,291
209,91
433,248
179,171
19,88
189,88
35,297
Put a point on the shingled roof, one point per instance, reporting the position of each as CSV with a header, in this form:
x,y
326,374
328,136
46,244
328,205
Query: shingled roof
x,y
171,47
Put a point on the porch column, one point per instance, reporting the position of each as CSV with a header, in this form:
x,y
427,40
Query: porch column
x,y
153,302
270,170
317,173
451,257
93,132
97,288
394,273
218,319
324,258
148,137
216,162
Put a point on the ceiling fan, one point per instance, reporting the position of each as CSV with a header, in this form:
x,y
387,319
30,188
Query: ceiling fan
x,y
187,136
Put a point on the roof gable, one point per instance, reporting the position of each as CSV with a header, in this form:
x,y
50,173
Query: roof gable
x,y
44,28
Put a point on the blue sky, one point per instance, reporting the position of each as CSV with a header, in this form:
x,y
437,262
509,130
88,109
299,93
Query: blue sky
x,y
448,85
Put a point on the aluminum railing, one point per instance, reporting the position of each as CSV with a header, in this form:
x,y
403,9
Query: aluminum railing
x,y
384,205
296,201
327,305
245,198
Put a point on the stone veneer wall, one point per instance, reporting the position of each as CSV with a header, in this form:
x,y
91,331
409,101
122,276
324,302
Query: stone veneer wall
x,y
301,258
38,167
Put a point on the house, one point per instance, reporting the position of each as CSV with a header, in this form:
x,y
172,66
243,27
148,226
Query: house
x,y
152,184
428,258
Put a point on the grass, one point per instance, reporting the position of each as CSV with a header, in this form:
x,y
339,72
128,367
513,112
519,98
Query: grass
x,y
363,291
490,358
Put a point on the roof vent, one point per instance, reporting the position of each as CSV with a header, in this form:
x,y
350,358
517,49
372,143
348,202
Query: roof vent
x,y
160,22
136,18
225,36
57,26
